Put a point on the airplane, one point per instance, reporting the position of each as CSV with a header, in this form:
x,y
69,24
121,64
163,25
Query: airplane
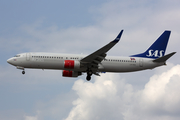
x,y
73,65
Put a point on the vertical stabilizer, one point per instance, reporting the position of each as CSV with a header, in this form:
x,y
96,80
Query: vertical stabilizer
x,y
158,48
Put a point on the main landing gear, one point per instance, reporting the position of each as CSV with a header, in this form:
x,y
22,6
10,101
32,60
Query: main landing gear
x,y
89,74
88,78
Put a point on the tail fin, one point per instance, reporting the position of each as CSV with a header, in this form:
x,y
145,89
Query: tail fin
x,y
158,48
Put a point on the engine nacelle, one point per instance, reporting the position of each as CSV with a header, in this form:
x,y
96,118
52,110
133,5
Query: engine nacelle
x,y
71,64
66,73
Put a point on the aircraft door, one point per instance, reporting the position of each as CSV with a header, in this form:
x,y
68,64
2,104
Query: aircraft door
x,y
27,56
141,62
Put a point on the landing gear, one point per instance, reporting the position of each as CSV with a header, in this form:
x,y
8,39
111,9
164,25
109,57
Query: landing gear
x,y
88,78
23,72
89,73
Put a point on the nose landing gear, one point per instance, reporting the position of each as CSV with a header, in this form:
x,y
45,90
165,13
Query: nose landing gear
x,y
21,68
23,72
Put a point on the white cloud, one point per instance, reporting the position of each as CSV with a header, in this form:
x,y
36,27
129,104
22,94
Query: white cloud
x,y
31,118
96,100
161,91
109,97
143,23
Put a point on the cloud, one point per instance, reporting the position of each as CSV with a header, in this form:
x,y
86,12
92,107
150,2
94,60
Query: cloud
x,y
93,96
143,23
161,92
30,118
110,97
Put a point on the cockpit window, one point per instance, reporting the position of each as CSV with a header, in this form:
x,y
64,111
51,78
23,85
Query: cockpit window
x,y
17,56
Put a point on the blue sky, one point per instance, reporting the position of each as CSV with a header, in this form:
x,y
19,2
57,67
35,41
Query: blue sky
x,y
81,27
61,13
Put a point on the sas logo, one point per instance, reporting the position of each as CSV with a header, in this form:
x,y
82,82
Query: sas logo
x,y
155,53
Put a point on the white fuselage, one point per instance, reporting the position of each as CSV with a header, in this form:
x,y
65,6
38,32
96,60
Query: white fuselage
x,y
73,65
56,61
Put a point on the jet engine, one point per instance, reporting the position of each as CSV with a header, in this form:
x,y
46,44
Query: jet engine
x,y
71,64
66,73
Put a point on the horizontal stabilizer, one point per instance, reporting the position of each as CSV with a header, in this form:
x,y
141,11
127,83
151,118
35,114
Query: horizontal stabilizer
x,y
164,58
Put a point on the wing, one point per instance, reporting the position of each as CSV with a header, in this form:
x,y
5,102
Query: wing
x,y
96,57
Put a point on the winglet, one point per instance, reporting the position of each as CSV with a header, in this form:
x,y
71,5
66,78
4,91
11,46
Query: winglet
x,y
118,37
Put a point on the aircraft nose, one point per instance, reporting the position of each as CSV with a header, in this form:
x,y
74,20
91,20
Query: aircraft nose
x,y
9,61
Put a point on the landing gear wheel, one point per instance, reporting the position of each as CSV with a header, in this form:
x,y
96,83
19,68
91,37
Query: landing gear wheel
x,y
89,73
23,72
88,78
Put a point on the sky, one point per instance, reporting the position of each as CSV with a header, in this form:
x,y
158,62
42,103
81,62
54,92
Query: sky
x,y
82,27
